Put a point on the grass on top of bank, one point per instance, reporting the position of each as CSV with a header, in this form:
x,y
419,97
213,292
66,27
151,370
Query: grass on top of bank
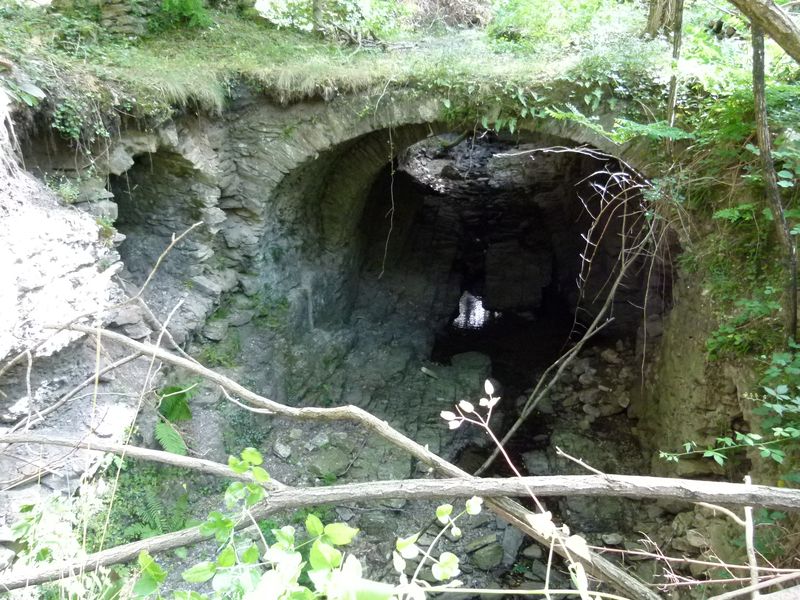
x,y
71,59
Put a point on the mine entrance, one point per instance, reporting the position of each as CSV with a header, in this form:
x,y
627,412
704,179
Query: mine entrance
x,y
499,229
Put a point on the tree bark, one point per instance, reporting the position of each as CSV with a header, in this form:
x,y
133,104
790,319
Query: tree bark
x,y
771,184
509,510
773,20
661,16
415,489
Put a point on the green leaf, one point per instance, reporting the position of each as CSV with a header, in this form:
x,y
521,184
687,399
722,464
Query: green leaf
x,y
718,457
238,466
446,567
235,493
199,573
324,556
364,589
150,567
784,183
314,526
174,403
284,536
217,525
443,512
170,439
227,558
255,494
785,174
184,595
145,586
407,547
339,534
251,555
252,456
260,475
474,505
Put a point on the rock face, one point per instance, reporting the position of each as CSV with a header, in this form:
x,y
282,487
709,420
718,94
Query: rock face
x,y
56,264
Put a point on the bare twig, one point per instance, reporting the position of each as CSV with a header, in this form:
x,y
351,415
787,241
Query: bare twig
x,y
579,462
25,424
759,586
683,559
728,513
771,183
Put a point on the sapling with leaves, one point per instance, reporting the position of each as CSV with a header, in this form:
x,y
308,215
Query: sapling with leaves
x,y
247,570
443,568
465,412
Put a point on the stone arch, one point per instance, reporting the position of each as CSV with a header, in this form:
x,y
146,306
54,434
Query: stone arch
x,y
303,176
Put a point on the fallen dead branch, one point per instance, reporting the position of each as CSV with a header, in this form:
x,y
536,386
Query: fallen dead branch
x,y
507,509
293,498
167,458
628,486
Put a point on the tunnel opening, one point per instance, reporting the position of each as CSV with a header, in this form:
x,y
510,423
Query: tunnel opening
x,y
499,229
489,242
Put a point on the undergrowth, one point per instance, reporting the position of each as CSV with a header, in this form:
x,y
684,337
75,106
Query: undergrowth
x,y
150,500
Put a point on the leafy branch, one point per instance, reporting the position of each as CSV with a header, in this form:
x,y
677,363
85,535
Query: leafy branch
x,y
726,445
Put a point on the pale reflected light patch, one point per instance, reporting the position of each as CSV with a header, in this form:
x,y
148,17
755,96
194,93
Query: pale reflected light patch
x,y
471,314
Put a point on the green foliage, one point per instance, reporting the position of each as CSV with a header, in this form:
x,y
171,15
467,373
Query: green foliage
x,y
224,353
243,427
659,131
151,577
170,438
77,120
771,541
742,213
751,329
106,229
65,188
174,402
150,500
779,408
270,312
529,22
189,14
51,531
355,17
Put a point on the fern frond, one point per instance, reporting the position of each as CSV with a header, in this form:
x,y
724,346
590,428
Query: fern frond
x,y
174,403
170,439
139,531
153,511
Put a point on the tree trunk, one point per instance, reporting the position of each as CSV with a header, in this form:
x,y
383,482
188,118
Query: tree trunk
x,y
774,22
771,184
661,17
316,15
